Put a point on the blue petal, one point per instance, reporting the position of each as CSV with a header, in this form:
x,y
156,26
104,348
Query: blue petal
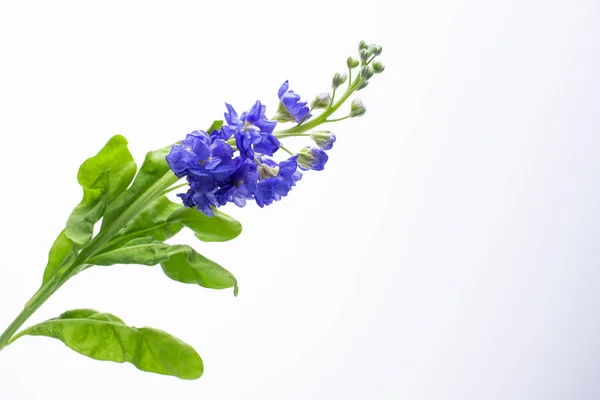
x,y
284,87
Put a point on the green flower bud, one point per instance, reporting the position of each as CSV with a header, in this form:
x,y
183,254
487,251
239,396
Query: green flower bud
x,y
364,55
366,72
321,101
352,62
362,85
264,171
338,79
305,158
323,139
378,67
283,115
376,50
357,108
362,45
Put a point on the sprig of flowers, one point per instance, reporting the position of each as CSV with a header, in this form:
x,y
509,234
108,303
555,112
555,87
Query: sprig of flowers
x,y
234,161
233,164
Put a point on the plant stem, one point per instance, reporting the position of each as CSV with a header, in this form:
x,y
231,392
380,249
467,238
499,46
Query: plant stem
x,y
174,188
338,119
32,305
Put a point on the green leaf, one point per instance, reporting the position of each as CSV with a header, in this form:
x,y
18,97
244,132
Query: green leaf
x,y
102,177
163,219
148,185
179,262
216,125
219,228
105,337
60,253
152,221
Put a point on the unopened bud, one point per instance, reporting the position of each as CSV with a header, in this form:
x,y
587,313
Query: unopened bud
x,y
323,139
321,101
376,50
357,108
378,67
364,55
311,158
362,45
352,62
361,85
366,72
338,79
264,171
283,115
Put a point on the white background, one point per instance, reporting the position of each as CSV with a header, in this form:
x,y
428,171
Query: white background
x,y
449,250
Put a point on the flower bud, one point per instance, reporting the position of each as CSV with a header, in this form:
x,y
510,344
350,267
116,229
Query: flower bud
x,y
378,67
361,85
283,115
264,171
364,55
366,72
321,101
376,50
311,158
357,108
323,139
338,79
362,45
352,62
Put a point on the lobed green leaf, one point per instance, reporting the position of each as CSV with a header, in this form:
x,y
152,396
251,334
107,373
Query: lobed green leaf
x,y
153,169
179,262
102,177
105,337
163,219
62,250
219,228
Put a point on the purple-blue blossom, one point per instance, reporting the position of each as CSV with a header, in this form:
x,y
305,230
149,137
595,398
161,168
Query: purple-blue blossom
x,y
312,158
200,154
291,107
253,131
276,180
240,185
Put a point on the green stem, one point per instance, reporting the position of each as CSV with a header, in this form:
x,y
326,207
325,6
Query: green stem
x,y
338,119
349,77
88,251
321,118
332,97
283,134
32,305
286,150
174,188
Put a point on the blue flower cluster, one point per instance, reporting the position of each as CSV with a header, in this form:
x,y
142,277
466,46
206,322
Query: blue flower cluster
x,y
235,163
218,173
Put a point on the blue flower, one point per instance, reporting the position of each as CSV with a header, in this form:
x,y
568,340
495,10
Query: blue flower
x,y
291,107
185,156
277,180
240,185
200,154
200,195
256,117
252,131
312,158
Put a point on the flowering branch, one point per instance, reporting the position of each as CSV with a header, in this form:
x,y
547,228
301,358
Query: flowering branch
x,y
231,162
